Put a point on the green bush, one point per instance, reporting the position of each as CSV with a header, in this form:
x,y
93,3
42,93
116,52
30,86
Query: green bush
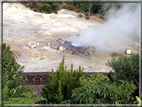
x,y
12,79
50,7
27,97
11,71
100,90
95,7
66,6
87,17
105,7
58,88
126,68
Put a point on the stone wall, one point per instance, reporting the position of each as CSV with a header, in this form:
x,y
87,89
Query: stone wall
x,y
40,78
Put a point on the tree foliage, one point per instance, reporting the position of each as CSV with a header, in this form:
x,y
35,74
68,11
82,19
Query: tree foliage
x,y
58,88
50,7
103,11
66,6
25,98
126,68
11,72
12,79
98,89
95,7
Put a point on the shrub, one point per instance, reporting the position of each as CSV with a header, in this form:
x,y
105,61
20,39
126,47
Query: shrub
x,y
100,90
87,17
94,6
11,80
25,98
58,88
80,10
91,14
105,7
83,6
126,68
87,14
71,8
66,6
11,70
80,15
49,7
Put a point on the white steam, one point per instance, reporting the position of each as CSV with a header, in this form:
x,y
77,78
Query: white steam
x,y
120,31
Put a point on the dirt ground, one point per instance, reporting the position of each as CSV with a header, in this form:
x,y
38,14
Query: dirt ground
x,y
21,26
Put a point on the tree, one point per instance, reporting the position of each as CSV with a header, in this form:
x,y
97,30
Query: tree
x,y
98,89
126,69
12,79
50,7
58,88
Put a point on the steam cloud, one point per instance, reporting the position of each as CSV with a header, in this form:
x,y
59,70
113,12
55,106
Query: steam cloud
x,y
120,31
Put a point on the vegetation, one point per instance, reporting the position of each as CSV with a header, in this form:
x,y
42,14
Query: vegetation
x,y
87,17
103,11
50,7
95,7
98,89
11,80
27,97
66,6
59,87
126,68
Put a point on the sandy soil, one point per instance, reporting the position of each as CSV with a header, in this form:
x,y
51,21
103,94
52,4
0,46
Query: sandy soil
x,y
21,26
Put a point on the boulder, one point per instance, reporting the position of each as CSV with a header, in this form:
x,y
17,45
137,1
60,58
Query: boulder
x,y
38,16
33,45
55,45
53,17
80,15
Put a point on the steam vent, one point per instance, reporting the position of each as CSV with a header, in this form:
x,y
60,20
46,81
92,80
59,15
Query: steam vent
x,y
62,44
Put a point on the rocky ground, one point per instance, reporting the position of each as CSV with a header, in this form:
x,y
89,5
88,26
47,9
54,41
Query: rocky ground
x,y
21,26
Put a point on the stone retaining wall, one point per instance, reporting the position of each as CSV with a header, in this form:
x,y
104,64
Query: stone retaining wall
x,y
40,78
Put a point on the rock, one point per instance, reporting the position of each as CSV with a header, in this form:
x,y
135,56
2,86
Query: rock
x,y
61,48
55,45
86,53
80,15
114,54
48,44
66,11
53,17
38,16
90,66
33,45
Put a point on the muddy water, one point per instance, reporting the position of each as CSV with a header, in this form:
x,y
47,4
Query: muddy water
x,y
21,26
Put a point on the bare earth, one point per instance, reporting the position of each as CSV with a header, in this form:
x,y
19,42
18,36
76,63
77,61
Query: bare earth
x,y
21,26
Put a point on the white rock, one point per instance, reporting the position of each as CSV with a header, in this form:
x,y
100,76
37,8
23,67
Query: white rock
x,y
37,44
61,48
33,45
